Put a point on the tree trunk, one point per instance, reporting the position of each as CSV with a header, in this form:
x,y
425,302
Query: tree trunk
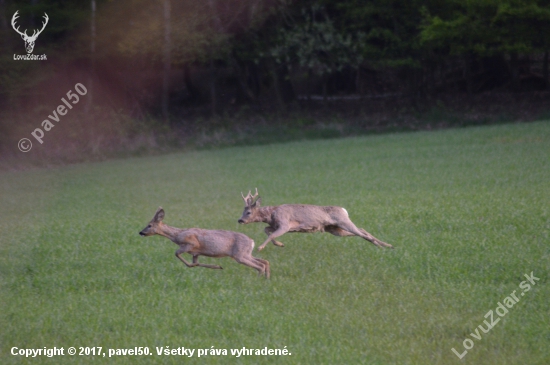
x,y
325,82
33,3
358,83
276,88
91,77
514,71
242,78
545,70
213,81
4,24
191,89
468,74
308,85
281,83
167,62
414,86
218,26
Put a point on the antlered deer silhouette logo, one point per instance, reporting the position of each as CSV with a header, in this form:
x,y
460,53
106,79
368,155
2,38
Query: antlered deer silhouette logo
x,y
29,41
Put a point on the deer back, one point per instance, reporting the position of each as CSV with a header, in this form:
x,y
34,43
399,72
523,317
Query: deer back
x,y
307,218
215,243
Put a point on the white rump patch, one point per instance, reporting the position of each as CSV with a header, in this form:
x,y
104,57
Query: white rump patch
x,y
345,211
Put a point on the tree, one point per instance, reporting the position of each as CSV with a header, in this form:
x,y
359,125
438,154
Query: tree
x,y
314,43
90,97
485,28
167,60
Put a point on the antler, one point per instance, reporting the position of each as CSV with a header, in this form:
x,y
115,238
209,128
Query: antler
x,y
255,195
249,198
13,19
43,26
35,32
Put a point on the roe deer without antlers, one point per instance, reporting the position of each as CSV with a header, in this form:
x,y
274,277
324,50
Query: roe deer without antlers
x,y
211,243
301,218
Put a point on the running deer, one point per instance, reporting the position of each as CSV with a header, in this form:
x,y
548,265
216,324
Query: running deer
x,y
211,243
301,218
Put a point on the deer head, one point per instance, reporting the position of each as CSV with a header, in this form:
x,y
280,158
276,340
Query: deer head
x,y
250,207
152,227
29,41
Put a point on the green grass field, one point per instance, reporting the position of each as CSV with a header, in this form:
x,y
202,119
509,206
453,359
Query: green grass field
x,y
467,210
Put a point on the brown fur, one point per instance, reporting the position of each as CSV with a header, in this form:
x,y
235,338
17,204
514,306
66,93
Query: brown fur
x,y
211,243
301,218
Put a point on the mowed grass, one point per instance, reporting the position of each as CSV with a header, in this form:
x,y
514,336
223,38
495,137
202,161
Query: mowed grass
x,y
467,211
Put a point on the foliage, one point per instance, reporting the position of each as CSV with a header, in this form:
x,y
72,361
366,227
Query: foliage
x,y
257,42
390,29
193,36
486,27
315,43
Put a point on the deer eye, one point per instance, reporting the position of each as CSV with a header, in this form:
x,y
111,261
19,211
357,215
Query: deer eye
x,y
149,226
248,213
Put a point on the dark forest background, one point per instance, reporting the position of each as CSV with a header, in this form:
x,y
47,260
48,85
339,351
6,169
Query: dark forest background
x,y
169,74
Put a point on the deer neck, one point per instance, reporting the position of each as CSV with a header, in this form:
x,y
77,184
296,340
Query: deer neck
x,y
169,232
264,214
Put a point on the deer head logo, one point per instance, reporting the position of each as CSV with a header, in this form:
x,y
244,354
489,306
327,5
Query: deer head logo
x,y
29,41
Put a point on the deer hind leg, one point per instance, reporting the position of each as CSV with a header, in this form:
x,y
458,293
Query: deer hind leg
x,y
266,264
269,230
380,243
350,227
253,263
338,231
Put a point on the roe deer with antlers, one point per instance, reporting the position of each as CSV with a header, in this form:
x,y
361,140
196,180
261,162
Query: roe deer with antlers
x,y
301,218
211,243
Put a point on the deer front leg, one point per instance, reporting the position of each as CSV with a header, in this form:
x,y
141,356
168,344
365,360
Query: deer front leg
x,y
268,230
178,255
195,260
278,232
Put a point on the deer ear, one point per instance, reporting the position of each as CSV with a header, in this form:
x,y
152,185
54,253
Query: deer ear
x,y
257,202
159,215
